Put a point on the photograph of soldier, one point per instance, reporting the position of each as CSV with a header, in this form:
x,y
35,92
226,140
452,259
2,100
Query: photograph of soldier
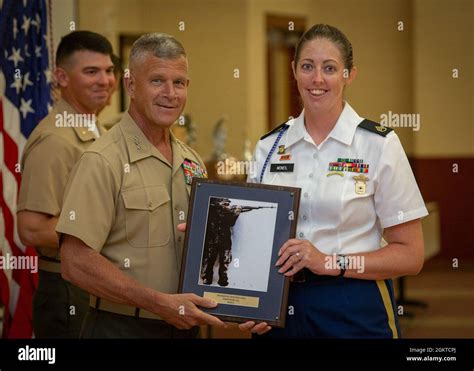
x,y
228,236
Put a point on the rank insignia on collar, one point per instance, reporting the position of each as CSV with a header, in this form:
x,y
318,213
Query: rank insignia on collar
x,y
281,150
137,143
193,169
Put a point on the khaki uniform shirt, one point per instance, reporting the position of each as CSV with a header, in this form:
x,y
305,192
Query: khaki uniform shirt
x,y
125,201
49,155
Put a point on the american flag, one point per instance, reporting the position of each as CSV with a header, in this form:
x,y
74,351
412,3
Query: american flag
x,y
25,97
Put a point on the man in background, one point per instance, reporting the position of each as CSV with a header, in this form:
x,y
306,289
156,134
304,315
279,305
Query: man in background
x,y
85,77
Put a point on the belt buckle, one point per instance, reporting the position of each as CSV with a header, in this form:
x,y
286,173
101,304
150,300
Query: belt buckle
x,y
97,303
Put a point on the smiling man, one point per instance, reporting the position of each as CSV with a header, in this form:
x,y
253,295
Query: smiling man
x,y
84,74
128,193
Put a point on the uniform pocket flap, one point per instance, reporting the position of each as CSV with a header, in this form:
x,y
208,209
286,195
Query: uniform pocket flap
x,y
145,198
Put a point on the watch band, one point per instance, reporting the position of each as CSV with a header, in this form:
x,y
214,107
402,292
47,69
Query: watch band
x,y
341,262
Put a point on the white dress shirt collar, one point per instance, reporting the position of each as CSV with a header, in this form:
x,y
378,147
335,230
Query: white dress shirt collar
x,y
343,131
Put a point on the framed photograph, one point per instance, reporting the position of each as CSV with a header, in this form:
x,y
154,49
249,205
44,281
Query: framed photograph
x,y
234,232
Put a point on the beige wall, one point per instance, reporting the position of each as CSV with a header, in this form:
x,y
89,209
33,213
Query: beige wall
x,y
444,41
382,55
399,71
63,19
215,41
256,57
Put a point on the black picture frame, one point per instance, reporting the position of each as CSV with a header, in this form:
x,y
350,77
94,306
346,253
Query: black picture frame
x,y
255,291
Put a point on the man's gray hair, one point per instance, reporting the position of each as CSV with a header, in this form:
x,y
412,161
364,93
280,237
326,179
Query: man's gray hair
x,y
160,45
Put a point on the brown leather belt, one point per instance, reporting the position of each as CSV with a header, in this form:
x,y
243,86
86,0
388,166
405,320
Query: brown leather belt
x,y
126,310
53,266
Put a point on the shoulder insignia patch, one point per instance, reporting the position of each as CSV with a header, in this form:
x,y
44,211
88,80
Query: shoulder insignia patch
x,y
375,127
275,130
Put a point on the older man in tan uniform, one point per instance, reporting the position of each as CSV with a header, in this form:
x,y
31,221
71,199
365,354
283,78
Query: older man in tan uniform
x,y
85,76
123,203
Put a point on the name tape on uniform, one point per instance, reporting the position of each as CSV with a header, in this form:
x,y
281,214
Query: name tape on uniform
x,y
282,168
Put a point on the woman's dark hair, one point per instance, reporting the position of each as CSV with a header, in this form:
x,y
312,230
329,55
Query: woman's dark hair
x,y
324,31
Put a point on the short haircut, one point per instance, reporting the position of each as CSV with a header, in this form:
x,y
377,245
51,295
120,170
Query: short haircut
x,y
81,40
160,45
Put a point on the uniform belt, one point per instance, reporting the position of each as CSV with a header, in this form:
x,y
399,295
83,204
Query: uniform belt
x,y
53,266
126,310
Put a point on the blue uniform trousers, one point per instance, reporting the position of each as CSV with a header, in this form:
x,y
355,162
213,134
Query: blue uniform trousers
x,y
339,307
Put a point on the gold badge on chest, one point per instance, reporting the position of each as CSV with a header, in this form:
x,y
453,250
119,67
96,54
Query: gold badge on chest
x,y
360,184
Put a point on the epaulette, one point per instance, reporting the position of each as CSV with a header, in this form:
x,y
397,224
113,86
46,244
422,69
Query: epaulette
x,y
375,127
275,130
